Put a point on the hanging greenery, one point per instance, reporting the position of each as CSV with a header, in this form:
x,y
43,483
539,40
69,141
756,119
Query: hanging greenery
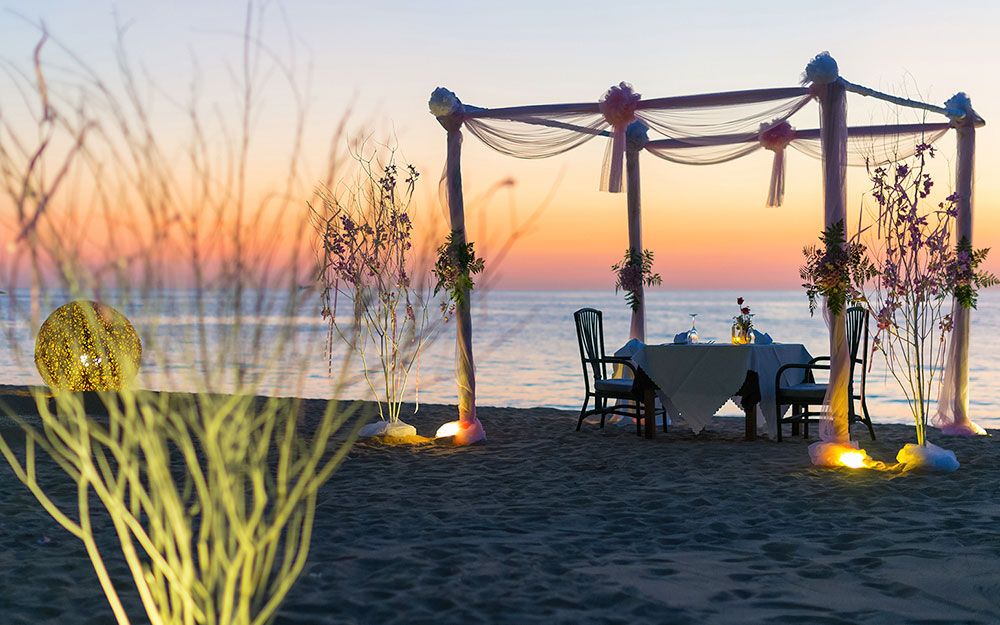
x,y
455,266
837,270
634,271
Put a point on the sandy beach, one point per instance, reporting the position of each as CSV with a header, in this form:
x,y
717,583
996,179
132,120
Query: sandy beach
x,y
543,524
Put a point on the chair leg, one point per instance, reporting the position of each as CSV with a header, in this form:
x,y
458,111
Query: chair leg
x,y
777,417
796,410
583,413
805,423
867,417
851,417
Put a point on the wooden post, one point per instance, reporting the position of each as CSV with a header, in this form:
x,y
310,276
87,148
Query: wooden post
x,y
465,370
833,136
953,403
470,430
966,142
636,139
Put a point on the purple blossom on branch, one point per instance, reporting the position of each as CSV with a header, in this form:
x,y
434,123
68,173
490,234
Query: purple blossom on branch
x,y
364,248
919,268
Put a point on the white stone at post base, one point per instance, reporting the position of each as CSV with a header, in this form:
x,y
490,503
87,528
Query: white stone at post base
x,y
929,456
385,428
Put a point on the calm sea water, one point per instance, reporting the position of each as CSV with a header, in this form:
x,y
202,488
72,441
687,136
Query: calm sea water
x,y
525,345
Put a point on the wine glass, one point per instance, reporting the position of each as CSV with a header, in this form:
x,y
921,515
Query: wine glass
x,y
692,336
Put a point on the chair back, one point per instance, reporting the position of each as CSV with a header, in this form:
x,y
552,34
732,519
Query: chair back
x,y
857,329
590,336
857,334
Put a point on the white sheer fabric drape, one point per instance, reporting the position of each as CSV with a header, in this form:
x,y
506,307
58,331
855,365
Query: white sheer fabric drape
x,y
876,145
465,368
952,415
834,427
469,429
833,133
636,138
713,124
700,130
736,122
873,146
537,135
953,402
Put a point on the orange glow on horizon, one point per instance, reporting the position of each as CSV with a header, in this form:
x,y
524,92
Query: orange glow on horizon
x,y
707,226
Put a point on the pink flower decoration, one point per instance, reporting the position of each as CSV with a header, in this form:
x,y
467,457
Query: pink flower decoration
x,y
631,277
776,136
618,105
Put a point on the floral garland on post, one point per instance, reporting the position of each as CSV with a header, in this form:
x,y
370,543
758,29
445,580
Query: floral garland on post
x,y
455,266
837,271
964,275
634,271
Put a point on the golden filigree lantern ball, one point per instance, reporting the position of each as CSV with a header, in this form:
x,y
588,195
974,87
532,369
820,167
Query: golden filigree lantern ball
x,y
87,346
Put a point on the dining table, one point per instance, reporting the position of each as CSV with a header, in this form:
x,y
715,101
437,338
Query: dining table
x,y
694,380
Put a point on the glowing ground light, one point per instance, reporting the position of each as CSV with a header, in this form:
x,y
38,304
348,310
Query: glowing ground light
x,y
448,429
87,346
853,459
463,432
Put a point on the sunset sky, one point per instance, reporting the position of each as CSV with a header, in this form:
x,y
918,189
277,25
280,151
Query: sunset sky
x,y
376,63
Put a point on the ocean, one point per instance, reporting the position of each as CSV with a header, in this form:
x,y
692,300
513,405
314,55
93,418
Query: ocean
x,y
525,345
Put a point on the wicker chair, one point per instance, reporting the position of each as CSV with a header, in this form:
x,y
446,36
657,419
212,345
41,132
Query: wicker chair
x,y
597,383
810,393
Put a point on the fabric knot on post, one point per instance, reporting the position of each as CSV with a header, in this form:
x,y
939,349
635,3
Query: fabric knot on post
x,y
618,107
636,136
775,137
447,108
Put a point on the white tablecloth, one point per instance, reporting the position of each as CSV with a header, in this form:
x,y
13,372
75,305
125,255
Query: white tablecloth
x,y
696,380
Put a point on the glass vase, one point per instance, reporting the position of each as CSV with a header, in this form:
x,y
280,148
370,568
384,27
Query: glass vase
x,y
741,336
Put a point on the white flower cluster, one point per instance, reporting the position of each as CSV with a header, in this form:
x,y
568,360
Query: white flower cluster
x,y
443,102
822,70
959,102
